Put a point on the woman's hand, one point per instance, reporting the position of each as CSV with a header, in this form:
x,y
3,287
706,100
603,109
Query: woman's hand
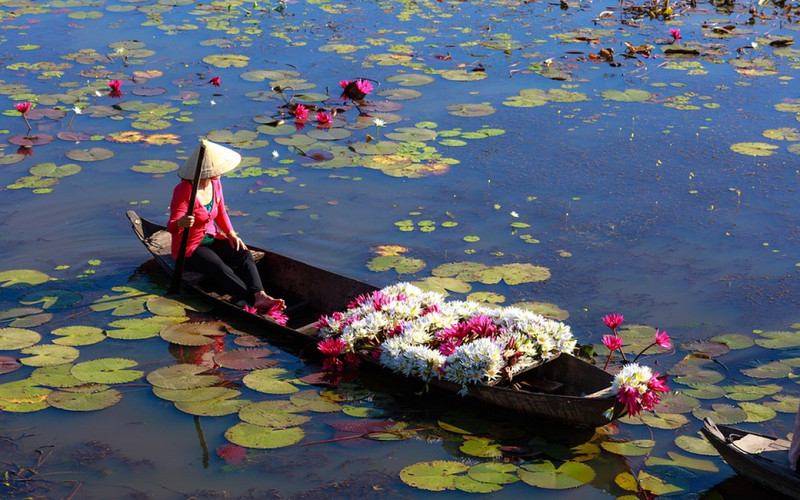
x,y
186,221
236,242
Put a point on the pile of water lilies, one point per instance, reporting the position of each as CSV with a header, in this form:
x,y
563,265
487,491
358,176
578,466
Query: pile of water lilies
x,y
419,334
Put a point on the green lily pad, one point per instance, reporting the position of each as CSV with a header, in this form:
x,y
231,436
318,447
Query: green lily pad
x,y
78,335
22,277
55,376
270,381
140,328
254,436
757,412
751,392
543,474
192,333
782,134
49,354
84,398
273,414
774,369
678,460
645,482
784,404
107,371
194,394
481,447
754,148
227,61
438,475
21,397
214,407
779,339
460,75
512,274
129,302
401,264
704,391
12,339
696,445
494,473
163,306
92,154
183,376
469,485
629,95
52,170
51,299
546,309
734,340
410,80
155,167
312,401
635,448
664,420
721,413
471,110
443,285
25,317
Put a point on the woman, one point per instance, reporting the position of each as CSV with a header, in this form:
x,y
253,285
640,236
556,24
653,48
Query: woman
x,y
213,246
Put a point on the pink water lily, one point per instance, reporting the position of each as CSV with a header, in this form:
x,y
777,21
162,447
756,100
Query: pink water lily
x,y
215,81
613,320
355,90
301,112
675,33
276,312
663,340
23,108
323,118
612,342
115,86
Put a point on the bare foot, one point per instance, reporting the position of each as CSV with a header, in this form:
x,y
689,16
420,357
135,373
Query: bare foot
x,y
264,301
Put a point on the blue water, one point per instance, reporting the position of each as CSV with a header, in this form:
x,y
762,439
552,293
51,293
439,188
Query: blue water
x,y
661,220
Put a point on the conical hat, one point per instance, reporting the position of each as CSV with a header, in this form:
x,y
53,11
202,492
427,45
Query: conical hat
x,y
217,160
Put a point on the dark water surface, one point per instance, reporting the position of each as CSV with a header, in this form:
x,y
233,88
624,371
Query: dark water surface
x,y
640,208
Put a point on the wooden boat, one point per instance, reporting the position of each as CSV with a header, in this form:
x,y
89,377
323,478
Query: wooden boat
x,y
566,390
763,460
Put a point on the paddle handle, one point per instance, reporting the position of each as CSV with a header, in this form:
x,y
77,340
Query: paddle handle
x,y
177,275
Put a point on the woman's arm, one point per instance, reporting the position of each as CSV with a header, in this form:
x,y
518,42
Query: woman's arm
x,y
179,205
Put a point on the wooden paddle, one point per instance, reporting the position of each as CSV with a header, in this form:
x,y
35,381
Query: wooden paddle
x,y
175,286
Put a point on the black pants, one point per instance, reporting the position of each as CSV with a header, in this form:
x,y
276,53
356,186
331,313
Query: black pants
x,y
234,271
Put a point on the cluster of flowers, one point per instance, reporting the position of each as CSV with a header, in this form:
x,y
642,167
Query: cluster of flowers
x,y
355,90
418,334
636,386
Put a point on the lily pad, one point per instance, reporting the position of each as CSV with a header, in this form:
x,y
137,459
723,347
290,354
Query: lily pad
x,y
56,376
754,148
84,399
678,460
270,381
481,447
51,299
254,436
628,95
245,359
140,328
22,277
92,154
494,473
23,397
78,335
721,413
195,394
12,339
192,333
438,475
107,371
635,448
544,474
9,364
779,339
183,376
49,354
401,264
273,414
215,407
312,401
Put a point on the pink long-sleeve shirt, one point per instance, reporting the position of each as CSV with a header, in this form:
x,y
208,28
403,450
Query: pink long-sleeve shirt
x,y
216,223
